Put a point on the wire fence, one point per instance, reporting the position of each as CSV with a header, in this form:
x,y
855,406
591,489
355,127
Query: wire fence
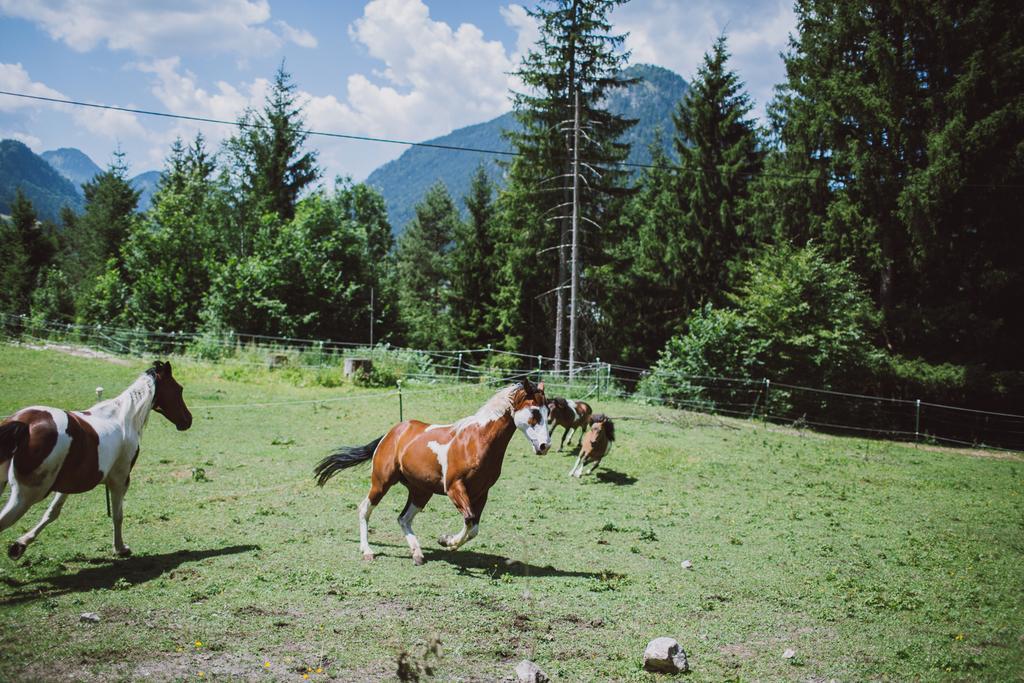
x,y
402,369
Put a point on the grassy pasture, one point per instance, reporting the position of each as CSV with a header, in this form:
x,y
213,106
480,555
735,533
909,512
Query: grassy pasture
x,y
871,560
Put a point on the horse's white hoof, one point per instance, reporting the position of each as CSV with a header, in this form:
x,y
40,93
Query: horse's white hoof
x,y
445,541
123,552
418,560
368,557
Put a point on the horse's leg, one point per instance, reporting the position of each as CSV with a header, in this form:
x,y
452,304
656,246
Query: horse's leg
x,y
416,502
565,434
22,498
117,490
470,515
51,515
577,465
383,477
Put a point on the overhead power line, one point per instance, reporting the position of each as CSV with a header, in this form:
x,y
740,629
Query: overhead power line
x,y
408,143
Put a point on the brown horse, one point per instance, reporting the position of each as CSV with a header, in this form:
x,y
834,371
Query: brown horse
x,y
596,444
569,415
461,460
47,449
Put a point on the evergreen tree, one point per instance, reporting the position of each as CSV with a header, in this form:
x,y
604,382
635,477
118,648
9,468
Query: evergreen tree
x,y
269,164
424,258
719,157
29,247
169,258
109,215
575,54
899,129
364,206
645,288
472,267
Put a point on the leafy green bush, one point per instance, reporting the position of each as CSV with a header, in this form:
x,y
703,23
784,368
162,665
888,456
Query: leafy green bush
x,y
796,318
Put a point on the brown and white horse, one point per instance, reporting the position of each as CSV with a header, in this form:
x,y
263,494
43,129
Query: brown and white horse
x,y
596,444
460,460
48,449
569,415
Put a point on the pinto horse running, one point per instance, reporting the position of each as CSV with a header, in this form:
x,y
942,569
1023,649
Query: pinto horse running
x,y
596,444
569,415
47,449
461,460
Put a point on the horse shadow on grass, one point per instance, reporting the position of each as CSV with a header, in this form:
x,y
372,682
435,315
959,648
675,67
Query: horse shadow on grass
x,y
606,476
106,573
487,565
479,565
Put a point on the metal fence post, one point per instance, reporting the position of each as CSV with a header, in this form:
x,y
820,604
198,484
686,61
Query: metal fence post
x,y
400,417
458,371
767,388
540,365
917,420
598,368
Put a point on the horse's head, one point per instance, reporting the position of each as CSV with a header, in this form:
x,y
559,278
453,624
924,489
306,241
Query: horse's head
x,y
530,413
168,400
602,423
557,409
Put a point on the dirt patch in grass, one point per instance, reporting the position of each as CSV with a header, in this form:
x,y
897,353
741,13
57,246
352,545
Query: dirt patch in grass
x,y
80,351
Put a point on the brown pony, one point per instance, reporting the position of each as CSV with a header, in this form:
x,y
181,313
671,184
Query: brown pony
x,y
596,444
47,449
569,415
461,460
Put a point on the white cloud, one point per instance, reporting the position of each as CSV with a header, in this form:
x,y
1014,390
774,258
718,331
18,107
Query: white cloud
x,y
676,35
30,141
14,78
436,77
300,37
104,122
160,28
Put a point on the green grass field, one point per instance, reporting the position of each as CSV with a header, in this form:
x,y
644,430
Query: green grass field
x,y
871,560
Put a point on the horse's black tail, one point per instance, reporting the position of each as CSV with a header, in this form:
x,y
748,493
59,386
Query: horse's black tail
x,y
13,436
347,456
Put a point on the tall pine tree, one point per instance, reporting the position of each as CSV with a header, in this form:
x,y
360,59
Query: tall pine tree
x,y
576,54
424,267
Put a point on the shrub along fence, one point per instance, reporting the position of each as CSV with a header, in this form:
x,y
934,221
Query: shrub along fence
x,y
322,362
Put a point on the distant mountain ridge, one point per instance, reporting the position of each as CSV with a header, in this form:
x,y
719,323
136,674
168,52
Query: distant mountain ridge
x,y
45,187
404,181
54,179
73,164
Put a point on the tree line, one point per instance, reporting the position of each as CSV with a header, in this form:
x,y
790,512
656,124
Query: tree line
x,y
866,236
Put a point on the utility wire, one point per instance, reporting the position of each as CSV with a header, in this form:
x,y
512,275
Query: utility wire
x,y
408,143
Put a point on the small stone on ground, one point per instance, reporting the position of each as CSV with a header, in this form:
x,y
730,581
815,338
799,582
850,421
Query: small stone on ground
x,y
687,564
665,655
90,617
789,654
528,672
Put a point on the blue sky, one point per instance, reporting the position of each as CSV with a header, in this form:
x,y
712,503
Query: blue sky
x,y
403,69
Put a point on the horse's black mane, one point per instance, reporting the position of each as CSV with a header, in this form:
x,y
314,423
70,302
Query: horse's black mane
x,y
560,402
609,426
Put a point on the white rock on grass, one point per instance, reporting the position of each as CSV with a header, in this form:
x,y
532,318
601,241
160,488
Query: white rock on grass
x,y
89,617
665,655
528,672
686,564
789,654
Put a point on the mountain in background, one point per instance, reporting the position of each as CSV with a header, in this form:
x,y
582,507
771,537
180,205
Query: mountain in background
x,y
47,189
54,179
404,181
145,184
73,164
